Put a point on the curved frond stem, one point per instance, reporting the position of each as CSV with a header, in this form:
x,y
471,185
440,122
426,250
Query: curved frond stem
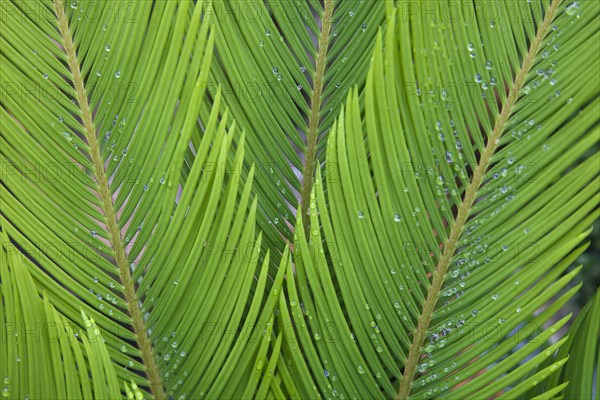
x,y
139,327
467,203
315,111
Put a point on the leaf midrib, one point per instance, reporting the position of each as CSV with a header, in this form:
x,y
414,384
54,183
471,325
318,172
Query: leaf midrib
x,y
315,111
465,208
116,241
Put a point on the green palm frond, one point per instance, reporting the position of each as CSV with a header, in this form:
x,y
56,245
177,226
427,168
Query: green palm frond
x,y
580,374
42,355
97,194
455,227
286,67
304,199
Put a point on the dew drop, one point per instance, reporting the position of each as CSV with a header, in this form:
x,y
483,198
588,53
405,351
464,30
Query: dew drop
x,y
397,217
118,74
572,8
448,157
107,47
361,215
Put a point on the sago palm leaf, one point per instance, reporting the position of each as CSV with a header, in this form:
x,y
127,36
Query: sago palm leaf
x,y
448,223
49,358
96,195
285,68
143,142
583,350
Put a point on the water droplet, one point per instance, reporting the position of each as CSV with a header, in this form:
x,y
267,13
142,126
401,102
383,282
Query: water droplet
x,y
360,370
124,349
478,78
74,4
93,233
495,296
67,136
118,74
363,27
397,217
360,214
302,69
572,8
299,87
470,46
176,282
488,65
45,76
261,44
448,157
107,47
351,14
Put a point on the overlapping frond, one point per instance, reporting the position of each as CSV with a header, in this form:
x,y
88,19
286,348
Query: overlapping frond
x,y
442,241
285,68
127,206
582,349
41,355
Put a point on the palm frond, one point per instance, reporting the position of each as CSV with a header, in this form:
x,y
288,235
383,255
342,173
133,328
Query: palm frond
x,y
448,222
285,68
42,355
126,228
579,374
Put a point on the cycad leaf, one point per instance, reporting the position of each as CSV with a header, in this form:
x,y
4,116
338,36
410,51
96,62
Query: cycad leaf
x,y
41,356
583,350
115,217
448,224
285,68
